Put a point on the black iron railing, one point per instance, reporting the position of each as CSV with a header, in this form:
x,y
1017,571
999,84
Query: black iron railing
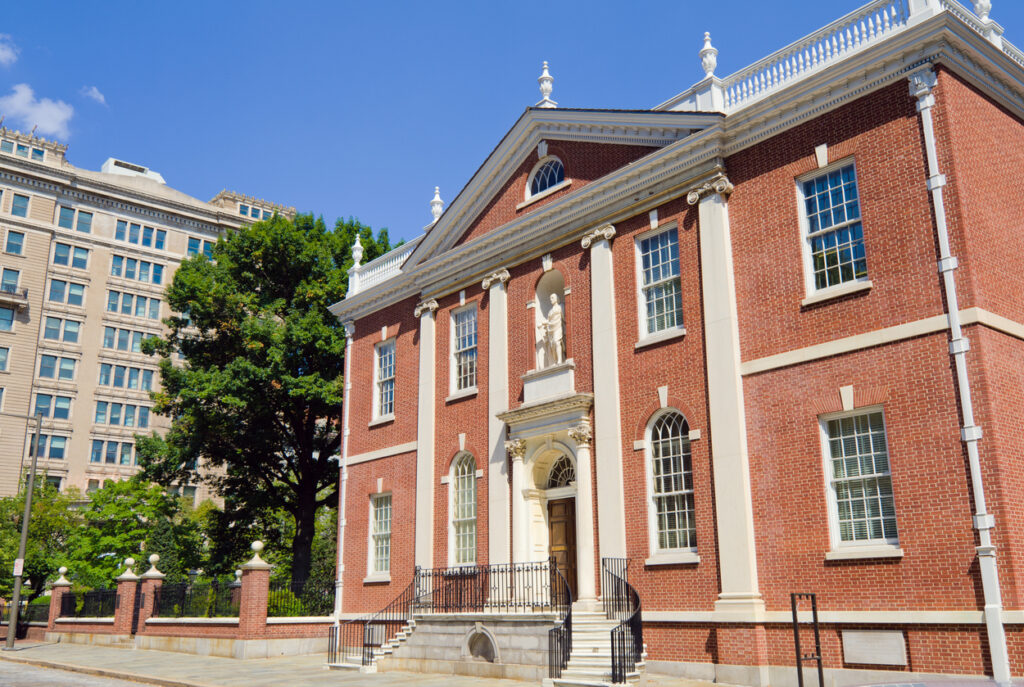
x,y
97,603
361,639
291,598
560,636
27,613
507,588
214,599
622,603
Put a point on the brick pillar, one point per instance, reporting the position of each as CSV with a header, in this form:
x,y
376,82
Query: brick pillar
x,y
252,610
127,582
151,581
60,587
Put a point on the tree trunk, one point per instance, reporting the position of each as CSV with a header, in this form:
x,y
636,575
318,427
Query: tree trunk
x,y
302,545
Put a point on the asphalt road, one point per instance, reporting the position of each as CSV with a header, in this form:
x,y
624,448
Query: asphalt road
x,y
17,675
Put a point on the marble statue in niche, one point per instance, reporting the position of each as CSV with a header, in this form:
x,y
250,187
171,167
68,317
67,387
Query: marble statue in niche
x,y
552,335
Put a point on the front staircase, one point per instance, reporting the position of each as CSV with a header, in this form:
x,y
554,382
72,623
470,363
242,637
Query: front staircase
x,y
590,661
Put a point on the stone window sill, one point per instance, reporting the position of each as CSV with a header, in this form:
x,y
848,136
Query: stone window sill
x,y
673,558
460,394
853,553
383,420
377,578
666,335
544,194
836,292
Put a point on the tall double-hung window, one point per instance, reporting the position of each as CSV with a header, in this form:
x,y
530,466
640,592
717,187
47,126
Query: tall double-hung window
x,y
674,526
834,236
464,348
661,306
384,380
463,485
380,534
862,508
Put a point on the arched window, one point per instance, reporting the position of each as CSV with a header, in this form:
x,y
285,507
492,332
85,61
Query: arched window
x,y
549,173
672,488
563,473
463,483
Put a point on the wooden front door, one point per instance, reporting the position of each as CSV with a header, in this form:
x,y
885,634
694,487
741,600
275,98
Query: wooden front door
x,y
562,538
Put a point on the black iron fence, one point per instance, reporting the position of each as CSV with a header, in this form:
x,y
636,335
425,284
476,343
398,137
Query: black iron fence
x,y
621,602
360,640
96,603
508,588
214,599
560,636
27,613
292,598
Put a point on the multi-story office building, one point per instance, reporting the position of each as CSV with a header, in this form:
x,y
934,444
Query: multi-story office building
x,y
85,257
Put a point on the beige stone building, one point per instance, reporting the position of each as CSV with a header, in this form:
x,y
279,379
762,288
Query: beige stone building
x,y
85,257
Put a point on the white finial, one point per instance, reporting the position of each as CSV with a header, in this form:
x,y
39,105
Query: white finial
x,y
982,9
129,562
257,547
357,256
238,574
546,80
154,559
256,563
62,571
708,56
153,573
437,205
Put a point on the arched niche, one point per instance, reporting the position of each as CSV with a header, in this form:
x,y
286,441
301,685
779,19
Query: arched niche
x,y
551,283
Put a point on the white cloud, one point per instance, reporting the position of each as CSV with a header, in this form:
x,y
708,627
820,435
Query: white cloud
x,y
8,50
94,93
51,117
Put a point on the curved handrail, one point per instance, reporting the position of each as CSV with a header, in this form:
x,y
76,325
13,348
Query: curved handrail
x,y
622,602
560,636
370,632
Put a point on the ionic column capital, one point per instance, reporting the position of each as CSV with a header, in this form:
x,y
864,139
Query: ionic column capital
x,y
427,306
921,84
499,277
718,184
350,328
602,233
582,434
516,448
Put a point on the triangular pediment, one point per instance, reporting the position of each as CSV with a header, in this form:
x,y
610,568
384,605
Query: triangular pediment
x,y
593,143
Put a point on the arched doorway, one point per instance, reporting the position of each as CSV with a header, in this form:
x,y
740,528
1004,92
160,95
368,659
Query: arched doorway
x,y
555,476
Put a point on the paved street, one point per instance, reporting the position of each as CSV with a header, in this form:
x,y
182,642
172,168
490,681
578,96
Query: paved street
x,y
98,666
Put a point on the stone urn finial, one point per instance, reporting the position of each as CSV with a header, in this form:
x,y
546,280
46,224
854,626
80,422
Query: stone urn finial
x,y
982,8
357,252
436,204
708,56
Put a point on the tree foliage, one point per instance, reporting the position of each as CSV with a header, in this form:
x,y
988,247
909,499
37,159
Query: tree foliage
x,y
253,377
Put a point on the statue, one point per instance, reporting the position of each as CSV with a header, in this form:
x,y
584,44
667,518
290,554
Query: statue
x,y
552,342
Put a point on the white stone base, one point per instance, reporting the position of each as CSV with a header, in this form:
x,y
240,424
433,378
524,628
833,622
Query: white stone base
x,y
201,646
785,676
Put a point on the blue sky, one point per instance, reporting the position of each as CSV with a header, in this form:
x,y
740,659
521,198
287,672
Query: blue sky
x,y
357,108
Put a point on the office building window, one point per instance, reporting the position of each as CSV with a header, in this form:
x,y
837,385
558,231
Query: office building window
x,y
9,280
6,319
19,208
833,231
464,348
4,353
15,242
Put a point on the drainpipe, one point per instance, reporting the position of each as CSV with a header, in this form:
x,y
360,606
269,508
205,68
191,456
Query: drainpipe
x,y
921,84
350,329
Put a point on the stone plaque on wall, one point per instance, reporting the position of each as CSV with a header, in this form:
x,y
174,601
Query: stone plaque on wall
x,y
874,647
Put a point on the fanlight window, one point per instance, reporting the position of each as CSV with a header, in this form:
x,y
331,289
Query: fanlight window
x,y
547,175
562,473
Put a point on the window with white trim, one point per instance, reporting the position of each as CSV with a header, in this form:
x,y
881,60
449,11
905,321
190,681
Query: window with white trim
x,y
549,173
464,348
380,534
833,235
661,294
463,491
860,480
671,475
384,379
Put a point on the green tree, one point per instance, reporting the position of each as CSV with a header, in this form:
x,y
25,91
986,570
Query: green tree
x,y
256,397
132,518
52,528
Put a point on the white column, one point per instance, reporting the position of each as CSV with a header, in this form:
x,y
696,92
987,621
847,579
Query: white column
x,y
425,437
339,582
727,416
520,518
586,582
611,503
498,526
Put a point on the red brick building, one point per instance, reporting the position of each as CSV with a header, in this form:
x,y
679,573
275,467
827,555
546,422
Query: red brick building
x,y
763,338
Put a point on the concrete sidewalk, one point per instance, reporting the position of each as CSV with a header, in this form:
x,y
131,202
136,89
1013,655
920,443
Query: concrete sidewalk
x,y
187,670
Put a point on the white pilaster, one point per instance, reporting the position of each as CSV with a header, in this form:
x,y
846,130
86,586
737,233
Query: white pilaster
x,y
339,581
727,421
516,450
498,526
611,513
586,583
425,436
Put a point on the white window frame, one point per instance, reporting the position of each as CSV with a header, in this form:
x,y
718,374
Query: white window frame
x,y
453,376
658,555
871,548
529,197
373,573
453,487
645,336
813,293
377,381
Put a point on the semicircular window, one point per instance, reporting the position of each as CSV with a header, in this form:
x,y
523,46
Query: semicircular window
x,y
562,474
547,175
